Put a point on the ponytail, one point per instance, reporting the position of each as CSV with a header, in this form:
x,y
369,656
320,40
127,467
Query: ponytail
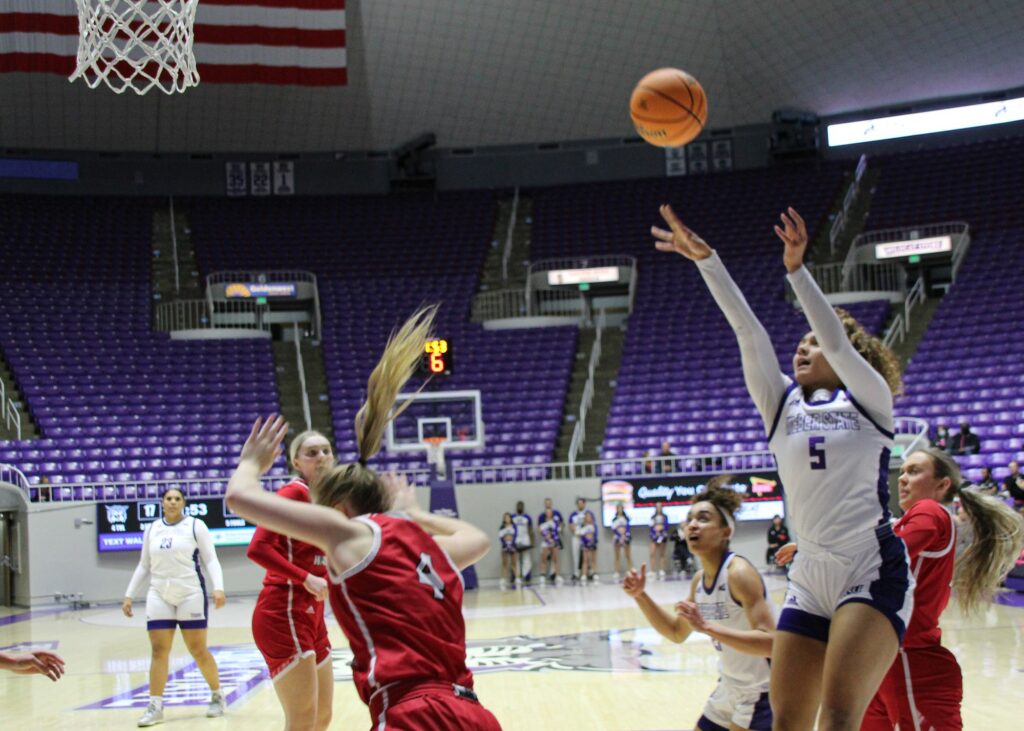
x,y
356,484
998,537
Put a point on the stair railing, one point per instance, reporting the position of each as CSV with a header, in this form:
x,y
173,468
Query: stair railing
x,y
300,366
587,398
506,255
9,411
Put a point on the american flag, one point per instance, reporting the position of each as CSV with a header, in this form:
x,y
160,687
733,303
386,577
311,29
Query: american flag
x,y
292,42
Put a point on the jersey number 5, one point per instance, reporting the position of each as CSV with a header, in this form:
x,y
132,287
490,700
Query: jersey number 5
x,y
429,577
816,446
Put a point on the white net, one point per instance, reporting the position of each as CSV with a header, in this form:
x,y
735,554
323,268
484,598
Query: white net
x,y
137,44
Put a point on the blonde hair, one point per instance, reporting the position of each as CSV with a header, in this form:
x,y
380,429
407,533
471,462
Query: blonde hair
x,y
881,358
297,442
356,484
998,537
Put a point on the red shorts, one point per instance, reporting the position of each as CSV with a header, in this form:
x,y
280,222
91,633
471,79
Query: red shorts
x,y
284,635
922,690
429,707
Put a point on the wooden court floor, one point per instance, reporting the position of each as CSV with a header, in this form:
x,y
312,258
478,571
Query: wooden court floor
x,y
545,658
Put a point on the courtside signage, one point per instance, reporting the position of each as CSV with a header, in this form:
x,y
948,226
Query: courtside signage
x,y
913,247
762,496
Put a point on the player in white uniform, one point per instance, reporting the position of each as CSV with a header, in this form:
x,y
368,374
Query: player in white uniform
x,y
728,602
171,550
575,523
524,540
830,428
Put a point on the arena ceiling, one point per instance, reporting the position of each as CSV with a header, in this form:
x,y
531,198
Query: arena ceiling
x,y
485,72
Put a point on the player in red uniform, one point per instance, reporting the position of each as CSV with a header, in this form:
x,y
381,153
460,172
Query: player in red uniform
x,y
288,621
396,588
923,689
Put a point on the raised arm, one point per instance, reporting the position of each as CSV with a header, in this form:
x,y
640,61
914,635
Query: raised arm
x,y
765,382
265,551
463,542
317,525
859,377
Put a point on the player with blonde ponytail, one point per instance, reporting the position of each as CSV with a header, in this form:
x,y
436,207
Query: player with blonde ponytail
x,y
924,687
395,583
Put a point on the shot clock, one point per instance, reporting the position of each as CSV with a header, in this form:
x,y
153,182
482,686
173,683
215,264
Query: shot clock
x,y
437,358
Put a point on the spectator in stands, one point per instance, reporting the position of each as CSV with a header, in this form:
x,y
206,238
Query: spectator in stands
x,y
987,485
33,662
1014,486
649,462
778,536
966,442
941,439
666,465
44,489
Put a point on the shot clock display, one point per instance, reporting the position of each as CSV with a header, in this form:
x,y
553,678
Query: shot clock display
x,y
437,358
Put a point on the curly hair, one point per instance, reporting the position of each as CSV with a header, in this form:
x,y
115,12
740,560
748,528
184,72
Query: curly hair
x,y
881,358
722,497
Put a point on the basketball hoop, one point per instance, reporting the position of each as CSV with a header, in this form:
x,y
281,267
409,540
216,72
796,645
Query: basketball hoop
x,y
435,454
137,44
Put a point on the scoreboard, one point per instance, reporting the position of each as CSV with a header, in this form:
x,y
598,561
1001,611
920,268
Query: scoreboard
x,y
120,525
437,358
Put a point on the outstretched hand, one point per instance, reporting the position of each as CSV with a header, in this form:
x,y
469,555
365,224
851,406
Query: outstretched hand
x,y
635,581
680,239
403,495
264,443
34,662
793,233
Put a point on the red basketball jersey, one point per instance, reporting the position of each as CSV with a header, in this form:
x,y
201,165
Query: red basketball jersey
x,y
286,560
401,609
928,530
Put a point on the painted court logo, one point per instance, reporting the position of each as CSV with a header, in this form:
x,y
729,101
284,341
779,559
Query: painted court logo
x,y
241,669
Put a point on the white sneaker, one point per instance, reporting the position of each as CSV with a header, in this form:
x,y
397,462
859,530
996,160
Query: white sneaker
x,y
559,581
594,579
543,580
616,577
216,707
152,716
519,583
661,576
502,584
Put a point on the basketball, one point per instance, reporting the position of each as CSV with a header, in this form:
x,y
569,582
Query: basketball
x,y
668,107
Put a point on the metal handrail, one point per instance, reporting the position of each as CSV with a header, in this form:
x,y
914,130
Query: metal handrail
x,y
13,476
900,326
506,255
9,411
587,398
912,425
885,276
300,366
204,314
174,247
900,233
582,262
148,489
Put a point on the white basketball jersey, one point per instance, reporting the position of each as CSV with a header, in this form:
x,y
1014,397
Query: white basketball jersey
x,y
834,463
174,558
738,669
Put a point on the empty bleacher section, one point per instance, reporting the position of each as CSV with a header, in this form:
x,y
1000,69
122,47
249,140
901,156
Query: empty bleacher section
x,y
970,363
376,260
114,401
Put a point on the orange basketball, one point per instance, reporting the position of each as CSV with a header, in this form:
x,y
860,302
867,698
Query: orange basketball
x,y
668,107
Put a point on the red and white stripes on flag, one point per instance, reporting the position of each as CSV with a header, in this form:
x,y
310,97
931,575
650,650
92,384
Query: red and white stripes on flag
x,y
291,42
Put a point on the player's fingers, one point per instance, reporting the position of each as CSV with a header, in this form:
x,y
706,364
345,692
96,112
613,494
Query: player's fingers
x,y
798,218
783,235
255,429
660,233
